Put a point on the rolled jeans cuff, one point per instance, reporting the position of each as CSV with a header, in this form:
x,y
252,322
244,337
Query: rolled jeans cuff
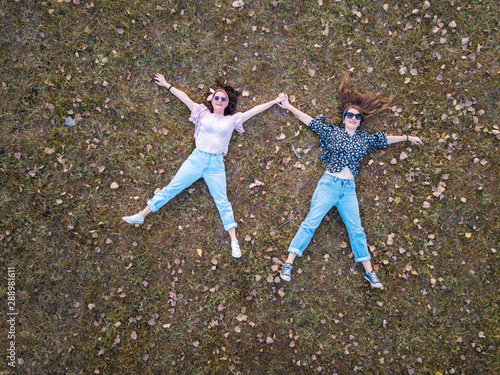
x,y
230,226
363,259
295,251
152,206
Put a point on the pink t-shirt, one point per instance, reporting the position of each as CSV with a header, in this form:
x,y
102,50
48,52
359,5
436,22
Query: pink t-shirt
x,y
213,132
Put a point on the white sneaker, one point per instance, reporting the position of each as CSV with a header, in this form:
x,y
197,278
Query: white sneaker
x,y
134,219
235,249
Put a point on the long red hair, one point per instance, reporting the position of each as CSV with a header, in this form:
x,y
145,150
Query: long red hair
x,y
367,104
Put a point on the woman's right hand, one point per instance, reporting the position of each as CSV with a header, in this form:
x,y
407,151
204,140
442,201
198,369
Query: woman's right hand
x,y
160,80
283,103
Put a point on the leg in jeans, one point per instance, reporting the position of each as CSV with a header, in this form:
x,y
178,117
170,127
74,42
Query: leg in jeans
x,y
190,171
324,198
215,177
348,207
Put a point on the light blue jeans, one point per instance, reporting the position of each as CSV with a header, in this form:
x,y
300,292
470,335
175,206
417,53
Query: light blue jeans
x,y
332,191
200,164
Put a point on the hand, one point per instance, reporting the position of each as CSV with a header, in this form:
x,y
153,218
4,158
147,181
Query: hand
x,y
283,100
160,80
417,140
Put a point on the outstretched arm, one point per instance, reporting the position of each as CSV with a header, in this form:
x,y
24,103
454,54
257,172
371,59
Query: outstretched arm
x,y
401,138
160,81
305,118
261,108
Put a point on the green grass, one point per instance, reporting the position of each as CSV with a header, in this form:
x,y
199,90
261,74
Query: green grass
x,y
97,296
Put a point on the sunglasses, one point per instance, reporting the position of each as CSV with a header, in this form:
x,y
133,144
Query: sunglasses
x,y
221,98
357,116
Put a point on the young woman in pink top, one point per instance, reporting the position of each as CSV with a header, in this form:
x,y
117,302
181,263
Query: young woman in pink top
x,y
214,125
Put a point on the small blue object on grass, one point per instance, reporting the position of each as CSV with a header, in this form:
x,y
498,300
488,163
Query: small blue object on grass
x,y
69,122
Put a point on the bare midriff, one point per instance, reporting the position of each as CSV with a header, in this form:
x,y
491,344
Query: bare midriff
x,y
344,174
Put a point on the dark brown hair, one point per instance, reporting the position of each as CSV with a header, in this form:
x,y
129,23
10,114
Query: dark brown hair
x,y
367,104
232,96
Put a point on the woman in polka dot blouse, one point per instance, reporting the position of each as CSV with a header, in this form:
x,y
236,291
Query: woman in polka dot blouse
x,y
344,147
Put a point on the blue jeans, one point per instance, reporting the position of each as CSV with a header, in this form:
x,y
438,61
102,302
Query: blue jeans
x,y
200,164
332,191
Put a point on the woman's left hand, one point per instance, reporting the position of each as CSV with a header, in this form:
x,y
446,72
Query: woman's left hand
x,y
282,99
417,140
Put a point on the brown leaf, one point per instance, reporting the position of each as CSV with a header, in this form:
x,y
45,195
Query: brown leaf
x,y
242,317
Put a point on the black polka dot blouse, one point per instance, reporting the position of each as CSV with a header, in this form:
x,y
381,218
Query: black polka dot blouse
x,y
341,150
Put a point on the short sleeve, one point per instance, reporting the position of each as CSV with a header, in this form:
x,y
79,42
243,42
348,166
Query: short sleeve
x,y
377,140
197,113
319,126
238,122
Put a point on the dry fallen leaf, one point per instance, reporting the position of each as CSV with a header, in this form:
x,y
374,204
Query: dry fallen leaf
x,y
241,317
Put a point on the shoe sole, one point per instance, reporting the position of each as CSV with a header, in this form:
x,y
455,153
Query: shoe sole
x,y
131,222
285,278
373,286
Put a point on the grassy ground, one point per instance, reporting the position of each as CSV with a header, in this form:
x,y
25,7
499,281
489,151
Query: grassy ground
x,y
96,296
